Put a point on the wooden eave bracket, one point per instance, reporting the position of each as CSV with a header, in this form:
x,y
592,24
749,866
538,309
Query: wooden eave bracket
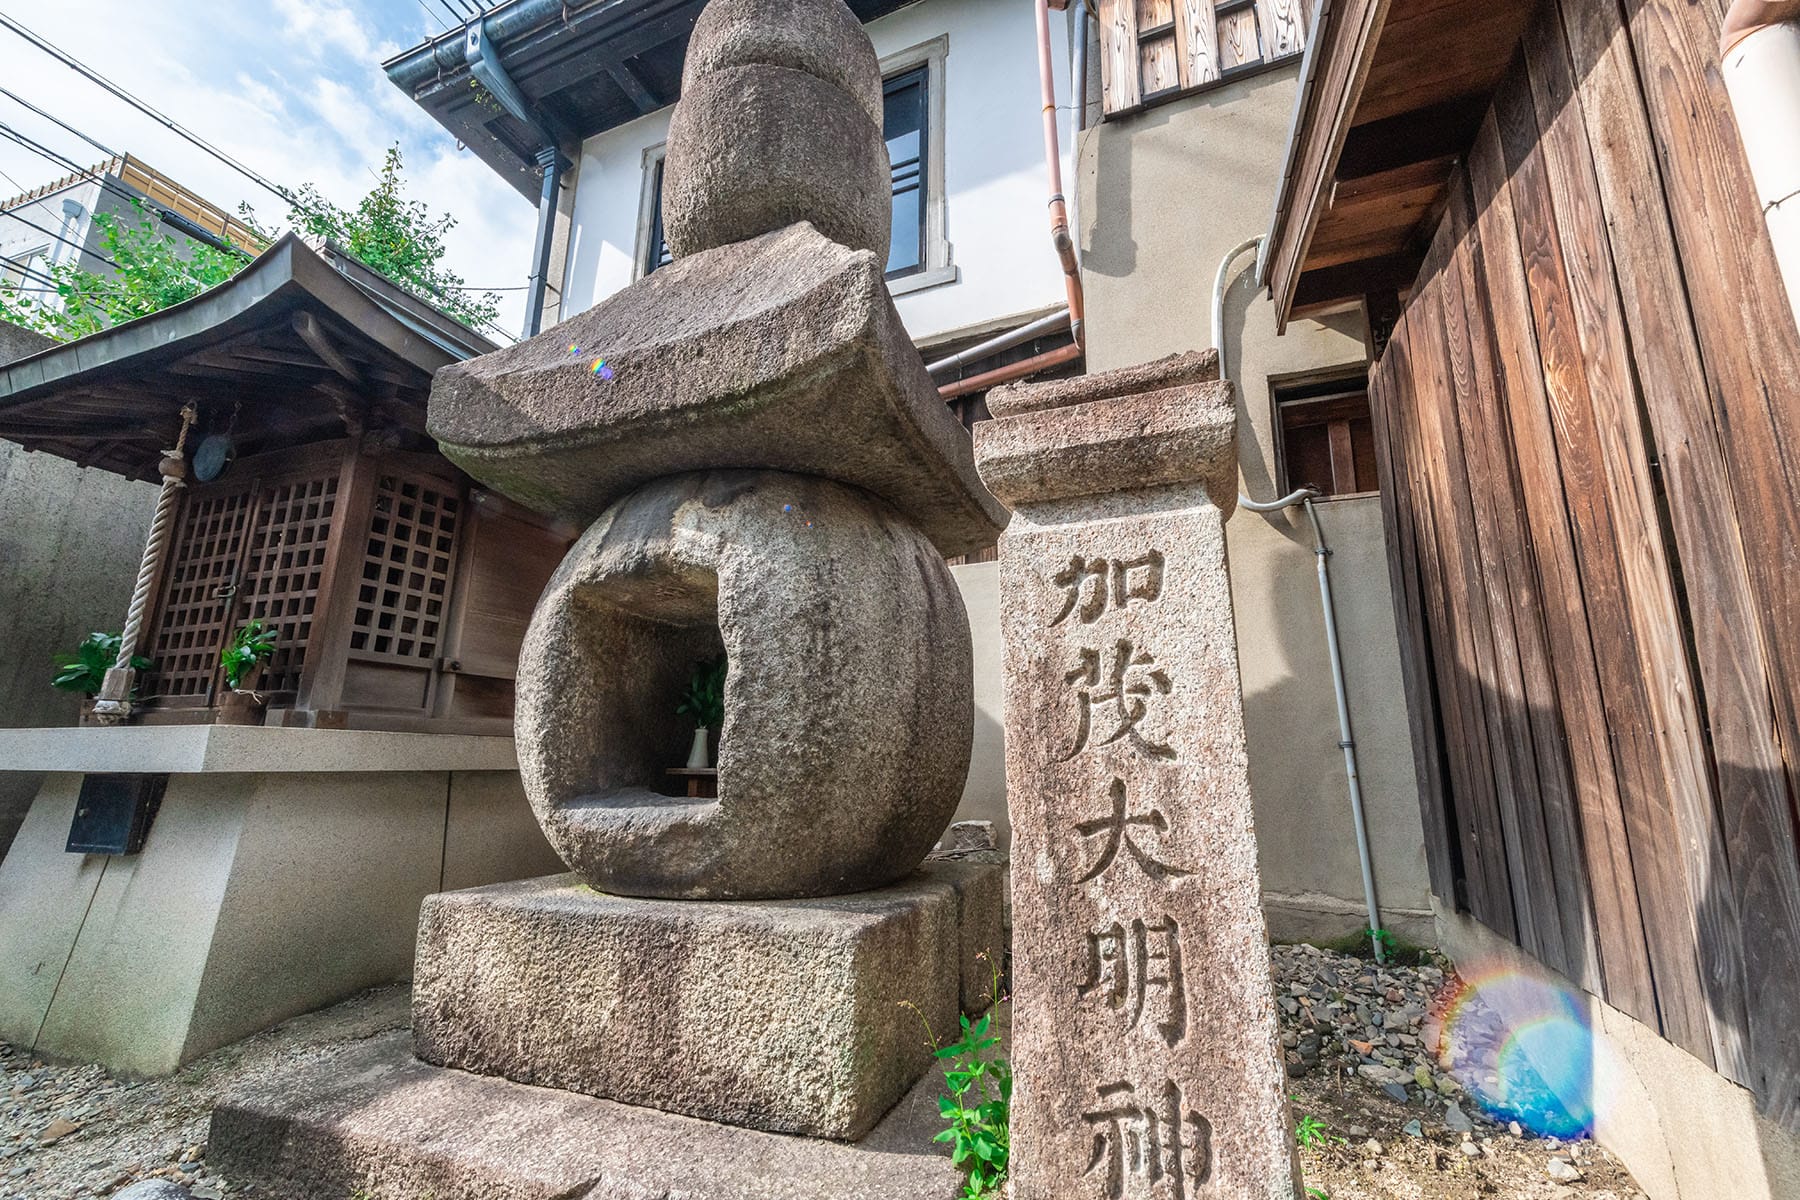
x,y
1345,40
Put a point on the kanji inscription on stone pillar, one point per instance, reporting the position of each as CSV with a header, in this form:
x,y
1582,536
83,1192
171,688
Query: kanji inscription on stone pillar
x,y
1144,1021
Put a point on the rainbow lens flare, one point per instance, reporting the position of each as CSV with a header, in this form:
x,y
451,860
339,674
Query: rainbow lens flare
x,y
601,369
1523,1047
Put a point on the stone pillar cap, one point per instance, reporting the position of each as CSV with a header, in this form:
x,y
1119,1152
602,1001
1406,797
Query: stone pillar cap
x,y
1105,433
1174,370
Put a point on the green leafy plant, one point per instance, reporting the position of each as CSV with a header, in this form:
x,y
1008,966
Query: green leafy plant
x,y
704,699
1313,1193
979,1108
1384,939
1314,1134
248,649
85,670
978,1105
399,238
396,237
154,271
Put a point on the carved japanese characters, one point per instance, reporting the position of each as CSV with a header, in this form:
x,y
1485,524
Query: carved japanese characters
x,y
1137,911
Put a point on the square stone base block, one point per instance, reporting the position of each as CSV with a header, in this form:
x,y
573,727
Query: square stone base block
x,y
383,1124
797,1016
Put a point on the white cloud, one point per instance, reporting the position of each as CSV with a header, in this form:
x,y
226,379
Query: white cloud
x,y
291,88
318,28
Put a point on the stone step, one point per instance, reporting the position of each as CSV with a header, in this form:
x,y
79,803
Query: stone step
x,y
381,1123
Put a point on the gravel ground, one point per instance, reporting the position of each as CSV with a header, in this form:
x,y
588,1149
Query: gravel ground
x,y
1362,1046
1389,1121
69,1131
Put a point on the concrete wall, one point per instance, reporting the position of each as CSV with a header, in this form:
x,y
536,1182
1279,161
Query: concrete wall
x,y
984,792
1685,1132
994,177
1165,194
256,897
70,542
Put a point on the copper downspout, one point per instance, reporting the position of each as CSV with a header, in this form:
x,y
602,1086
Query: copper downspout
x,y
1011,371
1745,17
1059,211
1060,235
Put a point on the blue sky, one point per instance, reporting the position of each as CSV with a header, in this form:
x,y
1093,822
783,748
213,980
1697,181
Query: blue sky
x,y
292,88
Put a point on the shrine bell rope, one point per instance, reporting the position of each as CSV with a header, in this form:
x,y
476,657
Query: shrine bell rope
x,y
115,698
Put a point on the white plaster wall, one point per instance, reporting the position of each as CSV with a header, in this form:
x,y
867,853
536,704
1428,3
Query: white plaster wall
x,y
995,183
1166,193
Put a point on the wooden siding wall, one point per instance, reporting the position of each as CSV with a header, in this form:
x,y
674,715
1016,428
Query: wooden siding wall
x,y
1589,425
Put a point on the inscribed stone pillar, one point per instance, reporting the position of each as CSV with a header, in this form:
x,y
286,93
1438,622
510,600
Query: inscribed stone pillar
x,y
1144,1021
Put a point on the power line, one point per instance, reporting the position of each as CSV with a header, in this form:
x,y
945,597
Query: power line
x,y
189,135
183,225
12,214
106,150
93,76
434,16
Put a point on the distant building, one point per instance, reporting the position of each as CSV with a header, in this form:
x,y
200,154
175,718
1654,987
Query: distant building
x,y
54,225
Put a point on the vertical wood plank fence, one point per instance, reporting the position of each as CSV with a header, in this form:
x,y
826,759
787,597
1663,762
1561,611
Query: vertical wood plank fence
x,y
1588,420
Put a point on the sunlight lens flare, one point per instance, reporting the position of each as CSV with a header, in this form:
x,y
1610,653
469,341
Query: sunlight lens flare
x,y
1524,1047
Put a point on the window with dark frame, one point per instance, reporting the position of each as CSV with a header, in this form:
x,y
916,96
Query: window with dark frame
x,y
903,125
656,252
1327,439
904,105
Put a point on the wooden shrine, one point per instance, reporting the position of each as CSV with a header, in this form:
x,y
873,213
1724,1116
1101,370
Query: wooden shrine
x,y
315,502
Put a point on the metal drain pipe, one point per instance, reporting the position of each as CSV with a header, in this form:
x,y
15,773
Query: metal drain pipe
x,y
1321,554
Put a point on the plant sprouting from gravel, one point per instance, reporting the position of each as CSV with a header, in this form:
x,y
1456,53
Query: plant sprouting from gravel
x,y
978,1105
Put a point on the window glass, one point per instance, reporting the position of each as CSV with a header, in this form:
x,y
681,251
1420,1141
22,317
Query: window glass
x,y
903,124
658,253
903,121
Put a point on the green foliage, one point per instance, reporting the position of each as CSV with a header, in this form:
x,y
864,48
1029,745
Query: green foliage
x,y
979,1108
397,237
386,232
1313,1193
1314,1134
704,699
155,271
85,670
1383,939
248,649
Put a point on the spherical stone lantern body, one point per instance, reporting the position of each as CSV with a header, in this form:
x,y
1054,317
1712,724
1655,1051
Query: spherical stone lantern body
x,y
848,706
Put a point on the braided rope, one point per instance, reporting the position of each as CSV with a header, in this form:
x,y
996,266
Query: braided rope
x,y
114,702
153,552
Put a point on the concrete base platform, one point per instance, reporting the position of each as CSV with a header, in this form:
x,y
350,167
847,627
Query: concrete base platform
x,y
386,1125
792,1016
283,872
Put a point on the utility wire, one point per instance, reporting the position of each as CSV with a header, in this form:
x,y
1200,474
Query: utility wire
x,y
434,16
169,216
455,16
93,76
25,272
18,99
13,215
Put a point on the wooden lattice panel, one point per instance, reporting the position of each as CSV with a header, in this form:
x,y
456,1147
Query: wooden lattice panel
x,y
282,569
202,570
406,571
